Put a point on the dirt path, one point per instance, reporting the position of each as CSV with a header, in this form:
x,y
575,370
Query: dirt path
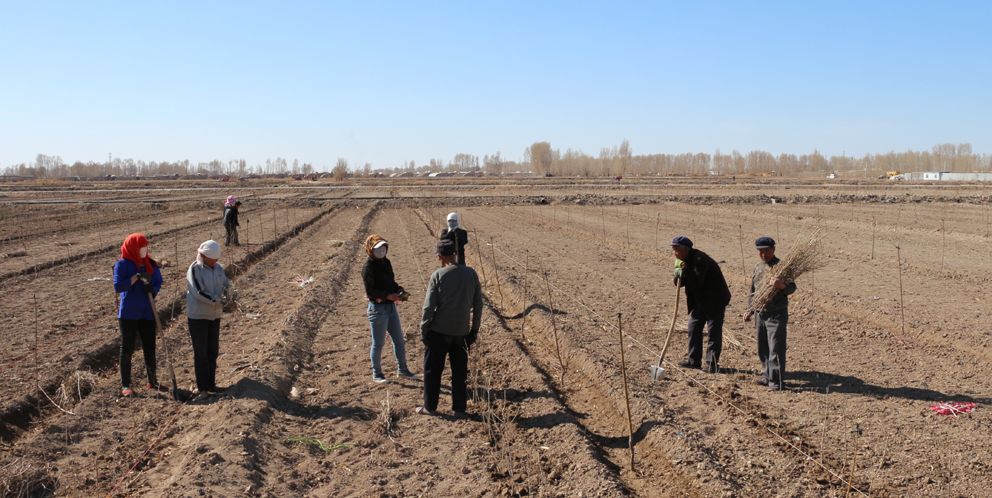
x,y
520,441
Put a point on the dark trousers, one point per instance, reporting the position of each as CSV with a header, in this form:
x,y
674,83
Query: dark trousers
x,y
205,335
713,320
438,347
232,235
771,328
130,331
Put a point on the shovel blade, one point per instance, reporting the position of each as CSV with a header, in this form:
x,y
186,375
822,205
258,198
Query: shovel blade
x,y
657,373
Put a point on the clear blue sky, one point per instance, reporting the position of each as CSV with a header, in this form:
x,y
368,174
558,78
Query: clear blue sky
x,y
386,82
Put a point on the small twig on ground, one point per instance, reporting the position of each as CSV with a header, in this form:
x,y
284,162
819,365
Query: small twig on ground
x,y
56,405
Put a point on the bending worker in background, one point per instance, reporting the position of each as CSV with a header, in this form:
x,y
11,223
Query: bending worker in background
x,y
231,207
455,233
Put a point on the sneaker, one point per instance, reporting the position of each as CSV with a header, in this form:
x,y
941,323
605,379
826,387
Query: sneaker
x,y
379,379
711,368
687,363
216,390
461,414
407,374
199,395
423,410
761,380
127,392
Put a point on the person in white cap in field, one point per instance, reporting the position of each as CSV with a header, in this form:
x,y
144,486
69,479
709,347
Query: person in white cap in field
x,y
455,233
207,291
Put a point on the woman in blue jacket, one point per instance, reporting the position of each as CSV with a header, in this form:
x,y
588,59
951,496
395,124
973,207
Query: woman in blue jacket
x,y
135,274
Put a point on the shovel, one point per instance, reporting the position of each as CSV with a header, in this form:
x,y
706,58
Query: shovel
x,y
165,347
657,371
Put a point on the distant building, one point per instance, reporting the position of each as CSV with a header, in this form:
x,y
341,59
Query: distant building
x,y
945,176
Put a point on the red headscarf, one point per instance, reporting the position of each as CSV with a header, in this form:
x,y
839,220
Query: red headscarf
x,y
131,251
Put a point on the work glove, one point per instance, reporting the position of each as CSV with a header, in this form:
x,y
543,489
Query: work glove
x,y
471,337
423,337
145,277
679,266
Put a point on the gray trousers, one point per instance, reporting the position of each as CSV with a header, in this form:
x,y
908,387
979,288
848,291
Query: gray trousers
x,y
232,235
772,332
714,335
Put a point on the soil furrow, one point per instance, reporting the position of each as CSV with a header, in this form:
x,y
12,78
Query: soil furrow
x,y
20,411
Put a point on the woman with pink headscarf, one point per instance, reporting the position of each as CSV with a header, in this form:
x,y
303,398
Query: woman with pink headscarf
x,y
231,224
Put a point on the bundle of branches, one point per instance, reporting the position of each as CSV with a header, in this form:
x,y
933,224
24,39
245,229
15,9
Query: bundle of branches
x,y
807,255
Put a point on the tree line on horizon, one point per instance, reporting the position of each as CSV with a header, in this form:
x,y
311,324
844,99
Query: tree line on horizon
x,y
541,159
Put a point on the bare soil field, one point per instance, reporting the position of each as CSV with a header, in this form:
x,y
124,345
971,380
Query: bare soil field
x,y
562,263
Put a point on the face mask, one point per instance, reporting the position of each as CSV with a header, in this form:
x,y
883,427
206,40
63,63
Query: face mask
x,y
143,252
379,252
452,223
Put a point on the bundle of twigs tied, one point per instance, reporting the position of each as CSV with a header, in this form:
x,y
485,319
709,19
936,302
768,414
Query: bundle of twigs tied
x,y
807,255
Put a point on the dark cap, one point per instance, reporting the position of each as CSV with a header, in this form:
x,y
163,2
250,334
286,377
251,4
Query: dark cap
x,y
764,243
682,240
445,247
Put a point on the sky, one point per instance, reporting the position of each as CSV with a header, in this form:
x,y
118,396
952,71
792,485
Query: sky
x,y
390,82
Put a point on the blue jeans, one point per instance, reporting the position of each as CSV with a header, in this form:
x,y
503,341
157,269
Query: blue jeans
x,y
385,318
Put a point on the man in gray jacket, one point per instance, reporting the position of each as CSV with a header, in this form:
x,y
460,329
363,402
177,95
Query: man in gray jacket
x,y
207,291
452,293
772,321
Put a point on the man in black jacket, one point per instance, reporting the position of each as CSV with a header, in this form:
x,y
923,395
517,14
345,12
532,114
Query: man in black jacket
x,y
706,297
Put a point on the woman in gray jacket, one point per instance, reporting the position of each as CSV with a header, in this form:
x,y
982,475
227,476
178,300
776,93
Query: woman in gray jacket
x,y
207,291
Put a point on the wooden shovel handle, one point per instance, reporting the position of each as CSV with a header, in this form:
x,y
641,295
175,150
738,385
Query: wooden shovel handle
x,y
165,344
675,314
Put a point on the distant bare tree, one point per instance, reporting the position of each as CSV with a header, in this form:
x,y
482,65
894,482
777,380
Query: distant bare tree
x,y
540,157
494,164
340,171
623,159
465,162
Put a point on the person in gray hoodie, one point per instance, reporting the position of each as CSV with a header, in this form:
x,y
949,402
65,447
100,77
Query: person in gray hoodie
x,y
207,291
452,293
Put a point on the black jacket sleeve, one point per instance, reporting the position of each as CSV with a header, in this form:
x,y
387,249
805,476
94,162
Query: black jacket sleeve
x,y
391,284
368,277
